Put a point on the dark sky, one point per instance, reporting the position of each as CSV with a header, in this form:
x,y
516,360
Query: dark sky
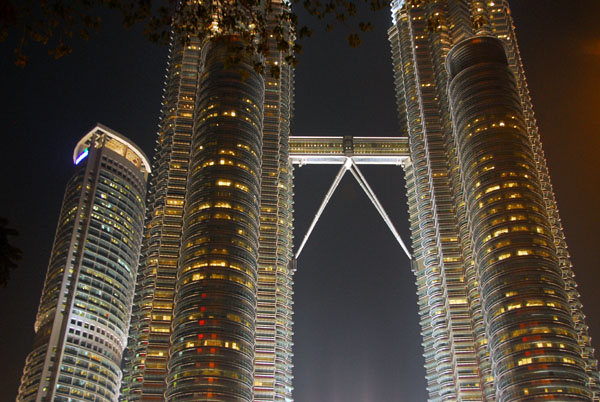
x,y
357,336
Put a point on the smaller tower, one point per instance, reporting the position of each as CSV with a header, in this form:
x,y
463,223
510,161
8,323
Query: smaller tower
x,y
85,307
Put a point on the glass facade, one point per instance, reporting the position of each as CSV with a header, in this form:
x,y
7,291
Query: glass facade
x,y
273,363
219,224
212,344
531,337
83,317
145,365
500,316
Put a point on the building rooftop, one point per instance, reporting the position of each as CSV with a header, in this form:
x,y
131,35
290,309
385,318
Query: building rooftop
x,y
115,141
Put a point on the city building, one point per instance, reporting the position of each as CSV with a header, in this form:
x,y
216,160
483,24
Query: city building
x,y
83,318
145,365
213,305
500,315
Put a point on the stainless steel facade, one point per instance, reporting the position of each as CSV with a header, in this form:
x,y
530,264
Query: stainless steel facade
x,y
212,311
213,304
145,366
472,351
532,340
211,356
83,317
273,364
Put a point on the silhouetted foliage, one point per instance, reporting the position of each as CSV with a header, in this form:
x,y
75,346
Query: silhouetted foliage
x,y
9,254
56,23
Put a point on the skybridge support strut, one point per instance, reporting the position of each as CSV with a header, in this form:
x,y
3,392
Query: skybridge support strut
x,y
334,185
349,164
367,189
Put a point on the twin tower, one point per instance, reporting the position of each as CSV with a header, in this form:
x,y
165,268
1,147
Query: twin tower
x,y
206,314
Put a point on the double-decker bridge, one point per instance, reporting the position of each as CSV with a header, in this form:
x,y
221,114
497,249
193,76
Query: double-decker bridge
x,y
350,152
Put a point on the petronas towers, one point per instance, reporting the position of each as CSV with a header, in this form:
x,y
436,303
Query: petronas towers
x,y
500,315
212,314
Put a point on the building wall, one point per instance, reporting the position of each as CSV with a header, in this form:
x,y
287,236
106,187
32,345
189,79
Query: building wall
x,y
213,339
531,336
419,46
145,366
182,119
273,365
422,34
83,318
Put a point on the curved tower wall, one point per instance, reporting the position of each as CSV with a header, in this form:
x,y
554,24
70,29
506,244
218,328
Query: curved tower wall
x,y
531,335
212,345
451,325
273,364
145,365
145,368
84,313
456,348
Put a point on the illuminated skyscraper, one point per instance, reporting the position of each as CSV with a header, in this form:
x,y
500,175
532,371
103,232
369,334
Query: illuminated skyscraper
x,y
500,316
212,312
145,364
83,317
273,360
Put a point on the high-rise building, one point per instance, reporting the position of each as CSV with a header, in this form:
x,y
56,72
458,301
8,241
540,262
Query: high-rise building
x,y
273,360
500,316
83,317
212,314
145,365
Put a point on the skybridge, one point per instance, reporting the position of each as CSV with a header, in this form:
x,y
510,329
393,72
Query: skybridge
x,y
336,150
350,152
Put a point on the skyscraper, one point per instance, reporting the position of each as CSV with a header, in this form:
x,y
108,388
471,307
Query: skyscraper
x,y
212,310
149,335
83,317
500,316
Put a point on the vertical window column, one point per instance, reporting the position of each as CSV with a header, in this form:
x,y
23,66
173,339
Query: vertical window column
x,y
213,338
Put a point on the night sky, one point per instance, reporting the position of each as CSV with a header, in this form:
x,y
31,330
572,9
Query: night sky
x,y
356,324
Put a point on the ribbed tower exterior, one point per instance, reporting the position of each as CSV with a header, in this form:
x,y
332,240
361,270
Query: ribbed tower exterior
x,y
273,364
212,316
532,340
211,356
500,315
145,365
84,313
